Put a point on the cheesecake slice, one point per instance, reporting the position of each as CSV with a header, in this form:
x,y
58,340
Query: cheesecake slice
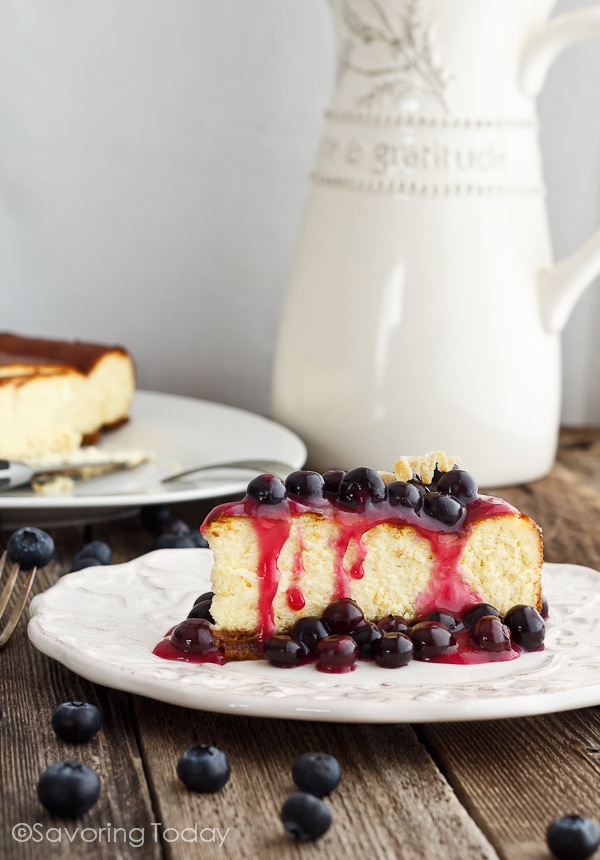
x,y
57,395
410,542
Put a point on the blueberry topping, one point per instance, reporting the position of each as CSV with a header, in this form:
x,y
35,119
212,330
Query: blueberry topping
x,y
490,634
359,486
444,617
331,481
526,626
305,817
366,635
316,773
478,610
309,631
284,652
76,722
30,547
458,483
194,635
342,615
431,639
203,768
336,654
394,650
445,509
202,610
206,595
406,494
96,549
304,485
393,624
266,489
68,788
573,837
544,610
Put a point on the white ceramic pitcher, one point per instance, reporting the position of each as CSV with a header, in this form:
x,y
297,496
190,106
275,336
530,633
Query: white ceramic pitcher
x,y
424,310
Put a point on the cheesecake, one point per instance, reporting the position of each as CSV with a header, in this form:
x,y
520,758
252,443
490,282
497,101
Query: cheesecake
x,y
407,543
57,395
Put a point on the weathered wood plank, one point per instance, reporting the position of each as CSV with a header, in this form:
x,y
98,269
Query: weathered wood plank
x,y
516,776
392,801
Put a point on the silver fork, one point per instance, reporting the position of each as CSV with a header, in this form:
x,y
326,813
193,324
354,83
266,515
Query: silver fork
x,y
12,569
282,470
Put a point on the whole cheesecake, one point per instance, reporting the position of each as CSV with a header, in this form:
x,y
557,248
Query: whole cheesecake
x,y
56,395
405,543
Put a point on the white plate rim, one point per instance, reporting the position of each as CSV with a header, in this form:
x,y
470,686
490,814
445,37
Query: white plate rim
x,y
82,623
256,437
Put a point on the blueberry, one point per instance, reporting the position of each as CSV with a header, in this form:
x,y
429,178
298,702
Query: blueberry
x,y
305,817
68,788
195,636
458,483
266,489
405,494
309,631
359,486
155,517
478,610
316,773
304,484
30,547
445,509
83,562
342,615
203,768
76,722
526,626
573,837
198,539
394,650
283,651
95,549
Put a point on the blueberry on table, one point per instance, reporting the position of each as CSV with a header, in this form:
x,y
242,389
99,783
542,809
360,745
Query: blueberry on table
x,y
84,562
30,547
203,768
155,517
76,722
68,788
305,817
573,837
316,773
174,542
97,549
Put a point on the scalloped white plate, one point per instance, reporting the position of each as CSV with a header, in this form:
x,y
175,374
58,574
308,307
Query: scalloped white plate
x,y
181,433
103,626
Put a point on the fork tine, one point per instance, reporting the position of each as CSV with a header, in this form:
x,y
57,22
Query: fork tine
x,y
10,583
18,608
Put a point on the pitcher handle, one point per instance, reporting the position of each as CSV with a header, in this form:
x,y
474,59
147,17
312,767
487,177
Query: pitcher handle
x,y
561,285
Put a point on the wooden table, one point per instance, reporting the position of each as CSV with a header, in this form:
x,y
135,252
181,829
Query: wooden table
x,y
448,790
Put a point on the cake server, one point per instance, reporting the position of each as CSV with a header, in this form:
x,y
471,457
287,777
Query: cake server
x,y
16,474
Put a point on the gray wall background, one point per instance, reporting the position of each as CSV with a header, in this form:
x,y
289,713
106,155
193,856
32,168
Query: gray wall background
x,y
154,162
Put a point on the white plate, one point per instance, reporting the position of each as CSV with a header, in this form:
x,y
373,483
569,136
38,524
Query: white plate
x,y
104,626
181,433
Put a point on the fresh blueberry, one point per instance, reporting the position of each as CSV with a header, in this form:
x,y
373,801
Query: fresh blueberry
x,y
304,485
283,651
316,773
68,789
195,636
83,562
445,509
198,539
203,768
458,483
30,547
309,631
167,541
394,650
96,549
76,722
305,817
361,485
155,517
478,610
405,494
573,837
267,489
526,626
